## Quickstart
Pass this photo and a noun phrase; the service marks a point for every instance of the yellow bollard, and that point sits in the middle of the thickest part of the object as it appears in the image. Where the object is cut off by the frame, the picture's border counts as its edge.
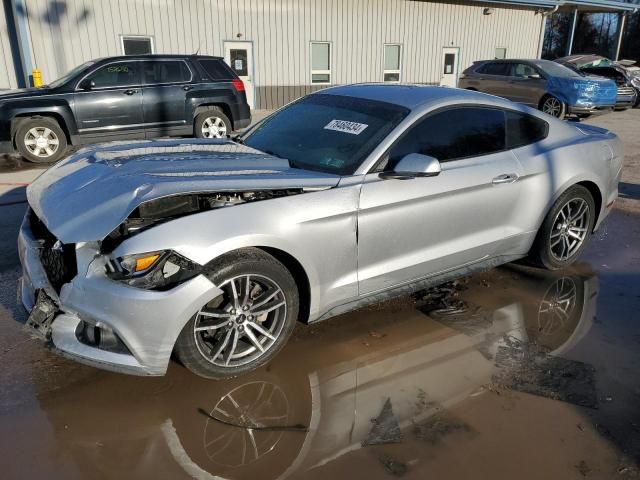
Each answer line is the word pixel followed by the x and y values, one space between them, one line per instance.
pixel 37 78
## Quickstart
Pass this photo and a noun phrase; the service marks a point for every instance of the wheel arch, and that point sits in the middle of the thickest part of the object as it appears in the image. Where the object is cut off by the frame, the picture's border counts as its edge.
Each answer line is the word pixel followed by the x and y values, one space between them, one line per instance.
pixel 205 107
pixel 20 118
pixel 595 192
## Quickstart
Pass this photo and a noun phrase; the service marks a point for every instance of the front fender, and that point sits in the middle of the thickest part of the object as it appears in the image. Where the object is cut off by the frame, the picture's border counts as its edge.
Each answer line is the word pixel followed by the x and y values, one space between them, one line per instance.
pixel 58 108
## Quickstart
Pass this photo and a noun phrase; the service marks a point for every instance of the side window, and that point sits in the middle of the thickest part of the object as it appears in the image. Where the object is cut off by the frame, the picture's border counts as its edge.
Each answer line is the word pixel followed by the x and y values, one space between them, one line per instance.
pixel 454 133
pixel 217 69
pixel 169 71
pixel 523 129
pixel 495 68
pixel 522 70
pixel 121 74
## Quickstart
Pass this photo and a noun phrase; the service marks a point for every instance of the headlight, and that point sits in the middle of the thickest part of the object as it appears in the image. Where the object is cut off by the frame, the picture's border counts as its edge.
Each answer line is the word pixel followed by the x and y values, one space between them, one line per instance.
pixel 152 270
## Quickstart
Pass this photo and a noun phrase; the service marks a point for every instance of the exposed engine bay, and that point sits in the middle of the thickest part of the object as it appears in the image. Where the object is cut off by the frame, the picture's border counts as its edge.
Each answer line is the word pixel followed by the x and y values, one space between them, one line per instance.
pixel 164 209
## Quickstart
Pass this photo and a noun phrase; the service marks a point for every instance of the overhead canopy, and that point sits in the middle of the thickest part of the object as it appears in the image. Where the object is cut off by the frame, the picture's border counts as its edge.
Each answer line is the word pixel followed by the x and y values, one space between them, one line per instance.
pixel 589 5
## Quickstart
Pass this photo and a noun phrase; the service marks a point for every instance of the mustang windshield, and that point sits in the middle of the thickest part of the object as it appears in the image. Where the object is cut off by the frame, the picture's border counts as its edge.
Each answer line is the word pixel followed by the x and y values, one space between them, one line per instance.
pixel 326 133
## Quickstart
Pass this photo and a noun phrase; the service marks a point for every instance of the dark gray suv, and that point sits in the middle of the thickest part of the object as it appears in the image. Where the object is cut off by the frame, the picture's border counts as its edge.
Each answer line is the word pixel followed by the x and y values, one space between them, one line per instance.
pixel 124 98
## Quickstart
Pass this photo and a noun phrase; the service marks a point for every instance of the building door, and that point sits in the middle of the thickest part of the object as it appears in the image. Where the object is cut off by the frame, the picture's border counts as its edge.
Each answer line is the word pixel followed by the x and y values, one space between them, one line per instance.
pixel 450 67
pixel 239 56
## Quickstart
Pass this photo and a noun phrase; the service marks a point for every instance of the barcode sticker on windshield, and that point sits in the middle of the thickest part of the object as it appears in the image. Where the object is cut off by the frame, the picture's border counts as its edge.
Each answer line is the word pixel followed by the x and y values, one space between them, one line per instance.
pixel 344 126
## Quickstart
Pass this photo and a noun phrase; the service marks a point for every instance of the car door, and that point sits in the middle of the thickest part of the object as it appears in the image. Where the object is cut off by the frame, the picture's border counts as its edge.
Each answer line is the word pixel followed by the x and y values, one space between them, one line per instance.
pixel 526 84
pixel 108 101
pixel 493 78
pixel 166 86
pixel 411 229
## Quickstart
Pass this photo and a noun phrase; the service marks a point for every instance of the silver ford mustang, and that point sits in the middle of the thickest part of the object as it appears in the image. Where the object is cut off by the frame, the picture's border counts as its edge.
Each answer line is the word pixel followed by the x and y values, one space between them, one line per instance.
pixel 213 249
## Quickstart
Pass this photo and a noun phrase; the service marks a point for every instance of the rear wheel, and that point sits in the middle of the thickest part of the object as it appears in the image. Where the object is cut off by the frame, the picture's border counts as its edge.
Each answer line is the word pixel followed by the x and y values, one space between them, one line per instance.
pixel 41 140
pixel 565 230
pixel 247 324
pixel 212 124
pixel 553 106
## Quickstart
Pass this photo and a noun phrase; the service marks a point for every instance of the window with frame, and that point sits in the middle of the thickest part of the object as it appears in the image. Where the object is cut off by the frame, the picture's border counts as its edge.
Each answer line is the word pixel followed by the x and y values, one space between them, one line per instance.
pixel 120 74
pixel 137 45
pixel 500 53
pixel 391 71
pixel 495 68
pixel 453 134
pixel 523 129
pixel 320 62
pixel 166 71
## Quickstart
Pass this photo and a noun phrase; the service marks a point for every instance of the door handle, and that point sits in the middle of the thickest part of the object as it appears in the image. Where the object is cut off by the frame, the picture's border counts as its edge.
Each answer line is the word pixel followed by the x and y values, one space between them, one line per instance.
pixel 130 92
pixel 505 178
pixel 186 88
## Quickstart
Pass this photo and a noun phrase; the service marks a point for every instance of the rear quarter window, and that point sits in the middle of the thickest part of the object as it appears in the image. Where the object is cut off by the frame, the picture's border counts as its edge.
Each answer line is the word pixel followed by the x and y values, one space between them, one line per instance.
pixel 494 69
pixel 523 129
pixel 217 69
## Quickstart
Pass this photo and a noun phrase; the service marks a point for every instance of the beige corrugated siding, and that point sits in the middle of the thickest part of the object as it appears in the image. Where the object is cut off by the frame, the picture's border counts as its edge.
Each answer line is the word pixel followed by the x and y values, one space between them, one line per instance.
pixel 281 32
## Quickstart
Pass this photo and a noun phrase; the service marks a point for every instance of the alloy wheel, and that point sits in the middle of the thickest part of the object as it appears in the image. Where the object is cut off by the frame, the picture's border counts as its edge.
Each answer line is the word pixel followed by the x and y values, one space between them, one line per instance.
pixel 214 127
pixel 552 106
pixel 243 323
pixel 41 141
pixel 570 229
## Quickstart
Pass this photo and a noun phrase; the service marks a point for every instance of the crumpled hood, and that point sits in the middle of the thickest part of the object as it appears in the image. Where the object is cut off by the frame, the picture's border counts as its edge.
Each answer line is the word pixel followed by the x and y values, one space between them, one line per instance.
pixel 86 196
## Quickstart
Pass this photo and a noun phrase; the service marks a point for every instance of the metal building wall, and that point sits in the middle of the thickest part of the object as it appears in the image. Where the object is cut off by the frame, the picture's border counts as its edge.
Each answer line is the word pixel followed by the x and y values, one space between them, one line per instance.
pixel 65 33
pixel 7 66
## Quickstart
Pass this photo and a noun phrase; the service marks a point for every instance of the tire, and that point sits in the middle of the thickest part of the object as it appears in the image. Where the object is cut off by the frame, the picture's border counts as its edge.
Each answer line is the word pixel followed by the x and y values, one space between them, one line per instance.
pixel 554 238
pixel 212 124
pixel 225 344
pixel 553 106
pixel 41 140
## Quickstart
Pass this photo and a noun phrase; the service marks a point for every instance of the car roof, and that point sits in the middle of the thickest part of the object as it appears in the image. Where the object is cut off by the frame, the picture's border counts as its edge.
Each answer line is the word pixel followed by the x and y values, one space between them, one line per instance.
pixel 154 57
pixel 413 96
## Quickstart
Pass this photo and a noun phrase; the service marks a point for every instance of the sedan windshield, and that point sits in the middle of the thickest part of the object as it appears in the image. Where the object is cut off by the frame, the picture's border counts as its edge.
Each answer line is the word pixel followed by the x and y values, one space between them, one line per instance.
pixel 69 75
pixel 326 133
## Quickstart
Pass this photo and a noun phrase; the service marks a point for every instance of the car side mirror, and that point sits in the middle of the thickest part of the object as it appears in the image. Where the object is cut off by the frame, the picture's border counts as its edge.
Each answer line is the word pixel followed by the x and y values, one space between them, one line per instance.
pixel 87 84
pixel 414 165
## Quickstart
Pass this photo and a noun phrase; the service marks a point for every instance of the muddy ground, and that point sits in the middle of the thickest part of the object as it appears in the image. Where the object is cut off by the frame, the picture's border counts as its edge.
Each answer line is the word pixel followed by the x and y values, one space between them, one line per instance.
pixel 513 373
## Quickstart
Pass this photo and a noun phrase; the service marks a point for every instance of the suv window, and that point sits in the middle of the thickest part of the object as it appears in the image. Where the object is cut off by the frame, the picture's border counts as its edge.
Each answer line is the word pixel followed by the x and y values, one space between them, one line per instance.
pixel 121 74
pixel 217 69
pixel 523 129
pixel 166 71
pixel 494 68
pixel 522 70
pixel 454 133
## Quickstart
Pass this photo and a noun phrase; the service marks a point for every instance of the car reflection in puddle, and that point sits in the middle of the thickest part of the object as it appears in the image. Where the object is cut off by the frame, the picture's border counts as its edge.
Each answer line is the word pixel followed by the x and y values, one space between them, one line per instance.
pixel 315 402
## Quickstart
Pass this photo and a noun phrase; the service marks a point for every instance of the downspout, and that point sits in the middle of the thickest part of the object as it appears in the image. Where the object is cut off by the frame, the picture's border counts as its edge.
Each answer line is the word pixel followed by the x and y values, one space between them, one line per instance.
pixel 623 22
pixel 573 30
pixel 543 27
pixel 19 14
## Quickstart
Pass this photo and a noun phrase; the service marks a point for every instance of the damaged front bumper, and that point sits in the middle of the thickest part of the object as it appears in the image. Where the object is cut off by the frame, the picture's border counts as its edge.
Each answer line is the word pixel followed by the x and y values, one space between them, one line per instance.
pixel 97 321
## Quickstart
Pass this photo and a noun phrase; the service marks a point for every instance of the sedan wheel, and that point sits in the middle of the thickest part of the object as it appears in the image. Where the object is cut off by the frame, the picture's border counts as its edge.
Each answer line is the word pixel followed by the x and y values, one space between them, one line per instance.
pixel 570 229
pixel 565 230
pixel 247 323
pixel 554 107
pixel 242 325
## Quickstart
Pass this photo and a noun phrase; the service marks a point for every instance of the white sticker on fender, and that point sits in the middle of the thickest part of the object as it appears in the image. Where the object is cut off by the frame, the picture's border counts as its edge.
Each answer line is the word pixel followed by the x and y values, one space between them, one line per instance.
pixel 344 126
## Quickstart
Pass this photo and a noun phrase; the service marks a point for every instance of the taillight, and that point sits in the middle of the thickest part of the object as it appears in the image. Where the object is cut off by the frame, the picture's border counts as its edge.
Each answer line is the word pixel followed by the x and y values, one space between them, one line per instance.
pixel 238 85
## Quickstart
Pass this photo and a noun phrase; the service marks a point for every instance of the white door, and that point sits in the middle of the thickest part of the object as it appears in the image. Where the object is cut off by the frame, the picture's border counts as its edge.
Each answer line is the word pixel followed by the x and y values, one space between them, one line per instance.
pixel 450 67
pixel 239 56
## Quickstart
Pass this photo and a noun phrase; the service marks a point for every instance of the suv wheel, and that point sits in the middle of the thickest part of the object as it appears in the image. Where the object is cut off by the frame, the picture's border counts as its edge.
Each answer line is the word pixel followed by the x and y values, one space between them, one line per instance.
pixel 565 230
pixel 41 140
pixel 248 324
pixel 553 106
pixel 212 124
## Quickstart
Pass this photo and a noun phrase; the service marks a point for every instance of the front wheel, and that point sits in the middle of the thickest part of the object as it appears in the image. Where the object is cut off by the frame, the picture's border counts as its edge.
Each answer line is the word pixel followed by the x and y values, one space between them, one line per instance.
pixel 565 230
pixel 41 140
pixel 244 327
pixel 553 106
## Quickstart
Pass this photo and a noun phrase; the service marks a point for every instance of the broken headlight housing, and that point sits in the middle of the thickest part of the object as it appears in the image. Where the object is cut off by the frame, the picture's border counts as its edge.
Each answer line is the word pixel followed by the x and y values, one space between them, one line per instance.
pixel 152 270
